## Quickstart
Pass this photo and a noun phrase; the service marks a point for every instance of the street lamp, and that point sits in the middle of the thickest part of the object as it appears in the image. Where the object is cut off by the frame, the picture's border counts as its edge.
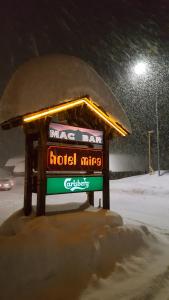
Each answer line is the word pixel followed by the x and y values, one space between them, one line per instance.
pixel 151 171
pixel 140 69
pixel 157 135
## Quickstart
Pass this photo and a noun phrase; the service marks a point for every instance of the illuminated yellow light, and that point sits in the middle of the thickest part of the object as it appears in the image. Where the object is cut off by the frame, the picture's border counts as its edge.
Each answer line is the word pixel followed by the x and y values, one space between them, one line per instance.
pixel 51 111
pixel 72 104
pixel 106 118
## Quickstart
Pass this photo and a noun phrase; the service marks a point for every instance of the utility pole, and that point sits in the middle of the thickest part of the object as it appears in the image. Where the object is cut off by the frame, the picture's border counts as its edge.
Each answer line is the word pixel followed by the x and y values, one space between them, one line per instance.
pixel 157 135
pixel 151 171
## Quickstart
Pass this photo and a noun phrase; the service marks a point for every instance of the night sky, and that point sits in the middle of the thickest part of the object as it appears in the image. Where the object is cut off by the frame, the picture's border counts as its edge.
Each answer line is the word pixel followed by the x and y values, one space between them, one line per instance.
pixel 112 36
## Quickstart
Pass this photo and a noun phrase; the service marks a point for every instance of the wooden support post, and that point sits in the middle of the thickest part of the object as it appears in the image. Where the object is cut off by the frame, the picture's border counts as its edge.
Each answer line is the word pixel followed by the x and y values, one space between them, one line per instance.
pixel 90 195
pixel 90 198
pixel 28 174
pixel 106 187
pixel 42 163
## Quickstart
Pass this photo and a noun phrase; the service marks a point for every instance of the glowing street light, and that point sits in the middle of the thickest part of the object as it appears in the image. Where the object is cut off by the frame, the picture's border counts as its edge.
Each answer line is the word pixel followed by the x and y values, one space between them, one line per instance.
pixel 140 68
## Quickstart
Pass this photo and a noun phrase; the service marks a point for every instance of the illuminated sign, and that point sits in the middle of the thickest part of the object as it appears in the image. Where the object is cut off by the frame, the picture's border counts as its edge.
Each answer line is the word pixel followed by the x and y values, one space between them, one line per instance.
pixel 74 159
pixel 65 106
pixel 71 133
pixel 73 184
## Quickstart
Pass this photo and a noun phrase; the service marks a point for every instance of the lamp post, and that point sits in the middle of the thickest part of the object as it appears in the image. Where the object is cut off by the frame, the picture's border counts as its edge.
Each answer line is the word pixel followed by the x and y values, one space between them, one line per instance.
pixel 151 171
pixel 140 69
pixel 157 135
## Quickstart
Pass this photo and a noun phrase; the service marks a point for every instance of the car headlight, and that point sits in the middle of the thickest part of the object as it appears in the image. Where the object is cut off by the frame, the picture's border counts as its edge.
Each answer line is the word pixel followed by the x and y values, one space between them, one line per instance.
pixel 6 185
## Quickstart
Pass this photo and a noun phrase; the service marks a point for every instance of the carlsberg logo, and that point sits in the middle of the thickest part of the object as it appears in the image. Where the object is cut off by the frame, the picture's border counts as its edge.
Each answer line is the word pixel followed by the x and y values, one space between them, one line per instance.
pixel 76 184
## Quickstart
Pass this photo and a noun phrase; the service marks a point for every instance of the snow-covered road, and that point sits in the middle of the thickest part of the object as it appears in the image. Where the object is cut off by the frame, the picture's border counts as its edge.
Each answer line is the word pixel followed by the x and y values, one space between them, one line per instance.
pixel 142 199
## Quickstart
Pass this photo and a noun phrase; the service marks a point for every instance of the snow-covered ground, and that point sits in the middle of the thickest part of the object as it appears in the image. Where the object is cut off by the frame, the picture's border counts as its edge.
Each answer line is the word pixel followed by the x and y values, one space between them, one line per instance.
pixel 70 257
pixel 143 199
pixel 138 199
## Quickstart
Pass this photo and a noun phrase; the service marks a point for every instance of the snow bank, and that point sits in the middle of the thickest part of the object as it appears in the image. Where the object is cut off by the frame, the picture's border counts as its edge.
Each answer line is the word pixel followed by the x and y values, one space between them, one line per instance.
pixel 12 162
pixel 18 165
pixel 140 277
pixel 142 199
pixel 58 256
pixel 143 184
pixel 95 257
pixel 19 168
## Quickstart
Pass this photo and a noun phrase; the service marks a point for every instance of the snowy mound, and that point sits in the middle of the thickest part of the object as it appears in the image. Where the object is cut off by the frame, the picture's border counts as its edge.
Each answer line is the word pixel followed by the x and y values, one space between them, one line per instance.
pixel 57 256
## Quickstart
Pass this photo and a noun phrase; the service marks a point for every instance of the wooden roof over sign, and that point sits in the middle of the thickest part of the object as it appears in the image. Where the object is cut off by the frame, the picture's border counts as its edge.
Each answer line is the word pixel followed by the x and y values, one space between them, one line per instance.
pixel 52 81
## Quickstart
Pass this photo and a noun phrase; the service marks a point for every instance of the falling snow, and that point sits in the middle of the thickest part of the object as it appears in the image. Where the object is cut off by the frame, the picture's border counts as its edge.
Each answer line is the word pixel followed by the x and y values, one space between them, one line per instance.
pixel 112 36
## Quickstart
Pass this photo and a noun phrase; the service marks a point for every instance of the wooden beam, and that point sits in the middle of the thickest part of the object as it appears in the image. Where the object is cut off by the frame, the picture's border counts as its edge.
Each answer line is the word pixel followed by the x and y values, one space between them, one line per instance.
pixel 90 195
pixel 42 163
pixel 28 174
pixel 90 198
pixel 106 186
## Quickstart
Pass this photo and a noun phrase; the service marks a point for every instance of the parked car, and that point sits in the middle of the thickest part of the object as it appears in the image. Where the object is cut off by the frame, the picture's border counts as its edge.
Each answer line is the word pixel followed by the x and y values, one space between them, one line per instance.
pixel 6 184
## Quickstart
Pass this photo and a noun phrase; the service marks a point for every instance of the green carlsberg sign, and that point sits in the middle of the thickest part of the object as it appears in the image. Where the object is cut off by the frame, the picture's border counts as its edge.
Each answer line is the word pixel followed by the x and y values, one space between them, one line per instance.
pixel 74 184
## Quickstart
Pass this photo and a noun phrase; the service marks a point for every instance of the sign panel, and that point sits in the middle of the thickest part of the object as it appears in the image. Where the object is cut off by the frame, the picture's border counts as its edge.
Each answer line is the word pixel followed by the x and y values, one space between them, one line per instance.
pixel 74 159
pixel 71 133
pixel 74 184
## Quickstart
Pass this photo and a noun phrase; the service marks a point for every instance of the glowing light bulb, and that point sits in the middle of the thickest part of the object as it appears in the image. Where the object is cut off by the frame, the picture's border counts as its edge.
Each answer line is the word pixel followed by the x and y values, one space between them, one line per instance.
pixel 140 68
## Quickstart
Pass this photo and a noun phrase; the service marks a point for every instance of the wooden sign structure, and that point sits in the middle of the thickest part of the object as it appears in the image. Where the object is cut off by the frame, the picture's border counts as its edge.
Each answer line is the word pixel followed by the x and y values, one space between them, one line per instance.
pixel 47 162
pixel 79 98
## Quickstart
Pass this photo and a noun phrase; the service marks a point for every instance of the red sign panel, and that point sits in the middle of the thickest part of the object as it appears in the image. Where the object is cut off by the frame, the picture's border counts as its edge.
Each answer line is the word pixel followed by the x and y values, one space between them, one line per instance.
pixel 74 159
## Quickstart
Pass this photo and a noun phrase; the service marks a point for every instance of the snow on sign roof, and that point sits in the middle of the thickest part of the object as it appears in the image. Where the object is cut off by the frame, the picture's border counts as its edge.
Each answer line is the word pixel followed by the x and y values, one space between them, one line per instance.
pixel 48 81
